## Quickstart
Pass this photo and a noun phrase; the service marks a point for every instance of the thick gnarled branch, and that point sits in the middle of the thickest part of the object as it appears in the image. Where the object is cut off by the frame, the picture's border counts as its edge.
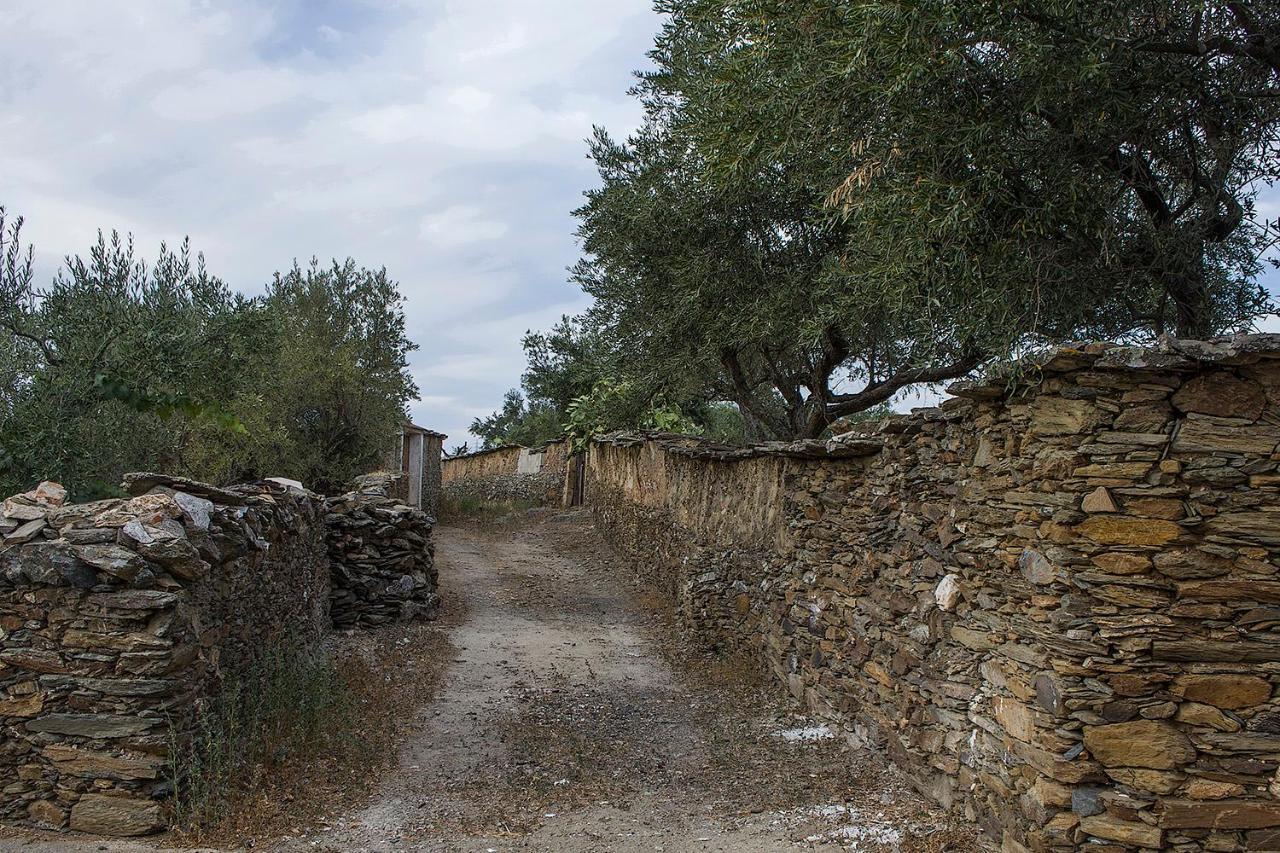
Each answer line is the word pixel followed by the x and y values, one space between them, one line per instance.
pixel 882 391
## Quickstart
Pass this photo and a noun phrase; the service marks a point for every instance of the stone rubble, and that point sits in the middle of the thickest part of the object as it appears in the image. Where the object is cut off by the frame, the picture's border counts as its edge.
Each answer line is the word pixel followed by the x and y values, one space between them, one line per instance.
pixel 381 558
pixel 119 617
pixel 1053 602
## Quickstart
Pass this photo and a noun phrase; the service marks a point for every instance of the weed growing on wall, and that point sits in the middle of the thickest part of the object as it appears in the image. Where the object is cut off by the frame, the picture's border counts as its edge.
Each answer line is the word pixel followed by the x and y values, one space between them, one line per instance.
pixel 292 703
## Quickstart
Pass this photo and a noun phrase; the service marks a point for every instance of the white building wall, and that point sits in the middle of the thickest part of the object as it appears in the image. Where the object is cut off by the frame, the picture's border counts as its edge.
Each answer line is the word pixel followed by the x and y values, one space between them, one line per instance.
pixel 530 462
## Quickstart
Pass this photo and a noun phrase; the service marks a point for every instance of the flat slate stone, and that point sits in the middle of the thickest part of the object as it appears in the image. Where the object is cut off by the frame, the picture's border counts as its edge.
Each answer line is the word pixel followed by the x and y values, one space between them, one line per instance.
pixel 118 816
pixel 1142 743
pixel 140 482
pixel 1223 814
pixel 134 599
pixel 93 764
pixel 90 725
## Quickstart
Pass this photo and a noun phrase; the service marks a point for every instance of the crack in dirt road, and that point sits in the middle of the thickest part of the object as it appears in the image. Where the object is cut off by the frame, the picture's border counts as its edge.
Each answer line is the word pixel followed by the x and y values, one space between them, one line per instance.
pixel 571 718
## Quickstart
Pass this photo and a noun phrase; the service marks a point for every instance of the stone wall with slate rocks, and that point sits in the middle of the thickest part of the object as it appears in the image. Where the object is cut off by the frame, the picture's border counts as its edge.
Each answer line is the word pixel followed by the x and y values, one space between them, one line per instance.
pixel 541 488
pixel 118 616
pixel 1053 601
pixel 381 558
pixel 495 475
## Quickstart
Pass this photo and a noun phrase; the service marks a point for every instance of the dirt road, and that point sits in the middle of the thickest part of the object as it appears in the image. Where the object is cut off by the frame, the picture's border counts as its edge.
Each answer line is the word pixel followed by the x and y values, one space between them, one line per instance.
pixel 570 719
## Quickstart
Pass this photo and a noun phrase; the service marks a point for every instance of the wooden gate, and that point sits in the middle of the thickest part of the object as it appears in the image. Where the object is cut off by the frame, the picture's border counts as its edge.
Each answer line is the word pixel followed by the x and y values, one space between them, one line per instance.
pixel 579 494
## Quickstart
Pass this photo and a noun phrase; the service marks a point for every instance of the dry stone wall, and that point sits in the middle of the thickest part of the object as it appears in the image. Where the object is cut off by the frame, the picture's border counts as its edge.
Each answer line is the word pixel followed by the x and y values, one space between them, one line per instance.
pixel 117 617
pixel 381 558
pixel 554 456
pixel 536 475
pixel 386 483
pixel 481 465
pixel 1053 603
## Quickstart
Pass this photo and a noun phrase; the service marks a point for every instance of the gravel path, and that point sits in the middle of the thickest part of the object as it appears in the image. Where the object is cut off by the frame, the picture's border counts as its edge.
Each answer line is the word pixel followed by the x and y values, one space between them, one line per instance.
pixel 571 719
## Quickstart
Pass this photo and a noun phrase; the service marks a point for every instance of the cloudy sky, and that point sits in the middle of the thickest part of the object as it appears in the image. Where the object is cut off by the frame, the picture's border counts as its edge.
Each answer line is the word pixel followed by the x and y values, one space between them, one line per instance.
pixel 443 139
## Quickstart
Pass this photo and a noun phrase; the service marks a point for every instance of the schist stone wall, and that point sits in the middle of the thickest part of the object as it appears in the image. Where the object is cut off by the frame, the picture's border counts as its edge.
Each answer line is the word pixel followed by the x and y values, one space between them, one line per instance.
pixel 534 474
pixel 381 557
pixel 117 617
pixel 1054 603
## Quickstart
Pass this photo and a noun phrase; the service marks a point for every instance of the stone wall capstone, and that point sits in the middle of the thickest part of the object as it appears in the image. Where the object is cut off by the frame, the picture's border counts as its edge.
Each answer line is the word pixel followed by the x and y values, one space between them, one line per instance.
pixel 389 483
pixel 118 616
pixel 1053 602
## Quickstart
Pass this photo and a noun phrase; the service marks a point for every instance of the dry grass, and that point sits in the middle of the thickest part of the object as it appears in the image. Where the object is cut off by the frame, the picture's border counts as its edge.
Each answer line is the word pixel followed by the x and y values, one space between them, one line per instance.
pixel 739 708
pixel 468 510
pixel 381 678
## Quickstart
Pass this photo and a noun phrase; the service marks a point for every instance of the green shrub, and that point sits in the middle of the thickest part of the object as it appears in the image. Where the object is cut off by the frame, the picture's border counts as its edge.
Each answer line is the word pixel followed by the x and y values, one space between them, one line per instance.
pixel 471 508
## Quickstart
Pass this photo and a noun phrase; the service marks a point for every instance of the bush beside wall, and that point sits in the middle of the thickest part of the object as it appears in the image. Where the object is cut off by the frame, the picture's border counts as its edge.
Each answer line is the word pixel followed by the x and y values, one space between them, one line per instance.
pixel 1051 603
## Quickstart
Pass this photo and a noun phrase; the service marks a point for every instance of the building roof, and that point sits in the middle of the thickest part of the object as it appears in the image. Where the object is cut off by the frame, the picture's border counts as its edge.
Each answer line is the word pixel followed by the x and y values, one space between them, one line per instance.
pixel 409 426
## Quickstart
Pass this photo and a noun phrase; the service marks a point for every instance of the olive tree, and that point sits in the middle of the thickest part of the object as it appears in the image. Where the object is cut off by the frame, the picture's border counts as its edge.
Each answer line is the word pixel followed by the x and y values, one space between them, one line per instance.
pixel 831 200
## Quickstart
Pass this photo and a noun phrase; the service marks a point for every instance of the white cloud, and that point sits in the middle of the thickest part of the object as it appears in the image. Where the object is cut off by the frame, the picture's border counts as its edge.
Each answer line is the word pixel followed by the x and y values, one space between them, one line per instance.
pixel 217 95
pixel 459 225
pixel 513 38
pixel 469 99
pixel 443 140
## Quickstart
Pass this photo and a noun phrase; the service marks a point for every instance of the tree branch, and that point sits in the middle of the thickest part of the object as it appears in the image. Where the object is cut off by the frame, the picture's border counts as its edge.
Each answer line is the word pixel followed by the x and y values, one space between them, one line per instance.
pixel 46 346
pixel 879 392
pixel 1137 174
pixel 744 393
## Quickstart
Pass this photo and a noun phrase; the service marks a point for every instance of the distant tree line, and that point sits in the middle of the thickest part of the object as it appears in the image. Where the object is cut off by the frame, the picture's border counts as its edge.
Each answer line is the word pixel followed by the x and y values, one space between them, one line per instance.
pixel 830 201
pixel 119 365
